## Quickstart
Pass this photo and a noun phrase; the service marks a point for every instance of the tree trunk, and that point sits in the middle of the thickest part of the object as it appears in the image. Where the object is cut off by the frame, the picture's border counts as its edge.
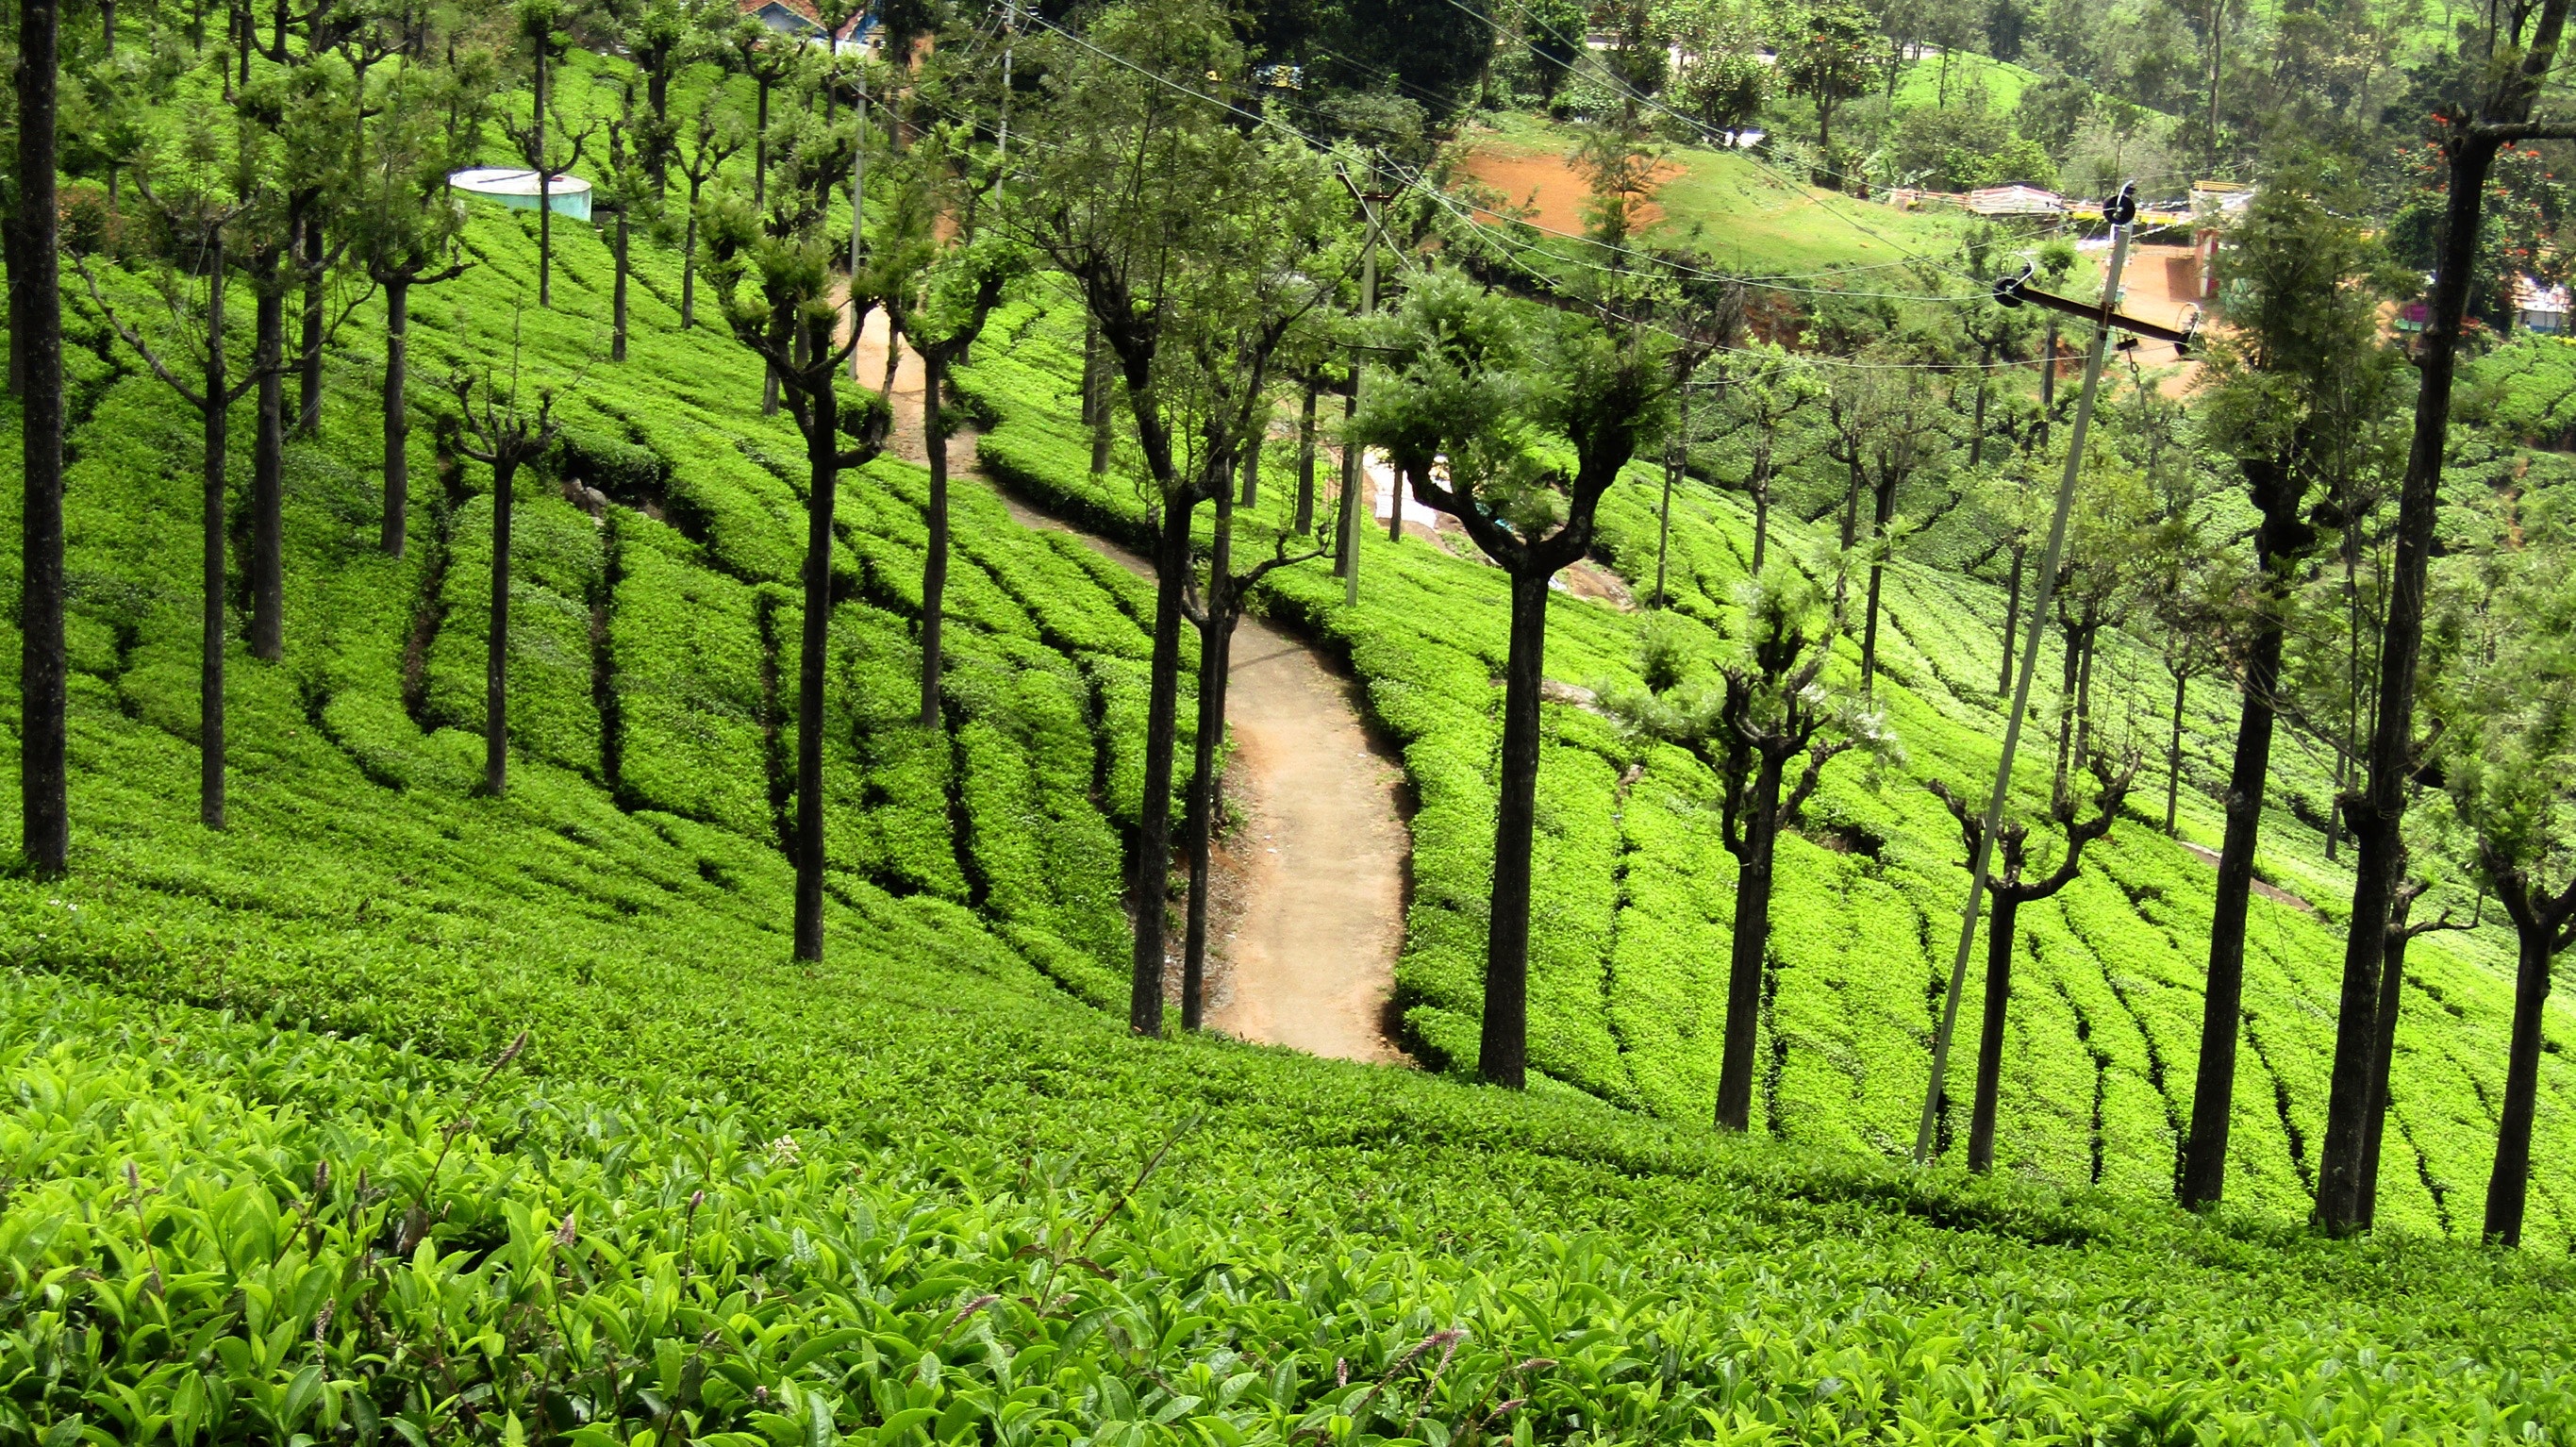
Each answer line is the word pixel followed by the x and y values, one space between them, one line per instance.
pixel 2392 989
pixel 2511 1181
pixel 2377 815
pixel 1761 524
pixel 1305 522
pixel 2173 757
pixel 1990 1040
pixel 934 560
pixel 397 414
pixel 1154 808
pixel 2204 1166
pixel 778 331
pixel 308 386
pixel 689 269
pixel 823 468
pixel 1093 369
pixel 1664 527
pixel 496 646
pixel 1751 941
pixel 1216 636
pixel 267 484
pixel 617 306
pixel 2012 614
pixel 210 657
pixel 1977 429
pixel 760 150
pixel 1882 506
pixel 1104 415
pixel 1503 1054
pixel 36 333
pixel 1252 463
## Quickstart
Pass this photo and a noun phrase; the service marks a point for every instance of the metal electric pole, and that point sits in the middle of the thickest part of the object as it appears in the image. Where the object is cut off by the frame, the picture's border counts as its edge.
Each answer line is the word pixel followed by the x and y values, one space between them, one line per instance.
pixel 2120 212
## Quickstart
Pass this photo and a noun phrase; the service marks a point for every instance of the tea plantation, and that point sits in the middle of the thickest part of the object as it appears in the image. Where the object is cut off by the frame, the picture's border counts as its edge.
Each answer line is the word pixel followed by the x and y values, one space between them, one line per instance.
pixel 398 1111
pixel 1635 898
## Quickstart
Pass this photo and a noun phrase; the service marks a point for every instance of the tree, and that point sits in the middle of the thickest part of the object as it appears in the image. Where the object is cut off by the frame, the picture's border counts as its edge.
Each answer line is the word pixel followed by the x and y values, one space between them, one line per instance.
pixel 2294 385
pixel 2401 932
pixel 405 234
pixel 1827 52
pixel 2469 134
pixel 1765 388
pixel 1477 385
pixel 2504 690
pixel 772 270
pixel 768 60
pixel 624 186
pixel 1722 79
pixel 196 204
pixel 1767 710
pixel 502 435
pixel 36 334
pixel 541 36
pixel 2010 889
pixel 715 134
pixel 1195 289
pixel 939 297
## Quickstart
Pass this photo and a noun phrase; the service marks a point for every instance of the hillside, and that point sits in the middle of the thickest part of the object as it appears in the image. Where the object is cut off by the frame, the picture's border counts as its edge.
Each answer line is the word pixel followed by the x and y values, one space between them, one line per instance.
pixel 287 1021
pixel 1628 973
pixel 399 1109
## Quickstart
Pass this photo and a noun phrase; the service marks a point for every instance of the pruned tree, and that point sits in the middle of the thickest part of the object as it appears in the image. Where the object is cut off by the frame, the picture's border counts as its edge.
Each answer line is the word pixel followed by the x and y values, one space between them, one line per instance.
pixel 1214 607
pixel 1769 713
pixel 197 193
pixel 2011 883
pixel 938 295
pixel 773 270
pixel 405 232
pixel 543 41
pixel 715 134
pixel 499 431
pixel 1766 387
pixel 2501 687
pixel 1474 388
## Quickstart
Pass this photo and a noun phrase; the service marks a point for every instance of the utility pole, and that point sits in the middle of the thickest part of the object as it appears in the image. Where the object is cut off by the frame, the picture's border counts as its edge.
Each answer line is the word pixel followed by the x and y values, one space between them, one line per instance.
pixel 858 207
pixel 1002 141
pixel 2121 212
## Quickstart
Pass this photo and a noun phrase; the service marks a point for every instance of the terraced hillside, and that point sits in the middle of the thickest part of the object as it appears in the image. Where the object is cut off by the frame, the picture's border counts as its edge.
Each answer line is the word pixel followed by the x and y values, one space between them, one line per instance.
pixel 399 1111
pixel 1634 897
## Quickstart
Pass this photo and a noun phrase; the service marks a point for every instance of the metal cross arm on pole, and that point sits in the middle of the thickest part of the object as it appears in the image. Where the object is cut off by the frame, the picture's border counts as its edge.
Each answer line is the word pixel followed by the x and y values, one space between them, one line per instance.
pixel 2017 290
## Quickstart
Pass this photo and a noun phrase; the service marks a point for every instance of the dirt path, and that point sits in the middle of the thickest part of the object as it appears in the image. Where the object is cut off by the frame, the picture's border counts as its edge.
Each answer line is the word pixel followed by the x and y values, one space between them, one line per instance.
pixel 1309 895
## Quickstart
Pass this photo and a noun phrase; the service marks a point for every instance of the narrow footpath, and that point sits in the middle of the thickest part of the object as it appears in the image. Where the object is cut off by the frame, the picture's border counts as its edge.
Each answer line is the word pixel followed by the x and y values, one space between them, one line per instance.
pixel 1308 898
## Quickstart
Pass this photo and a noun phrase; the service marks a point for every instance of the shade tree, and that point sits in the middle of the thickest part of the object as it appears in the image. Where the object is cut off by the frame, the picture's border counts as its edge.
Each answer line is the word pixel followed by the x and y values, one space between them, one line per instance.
pixel 773 266
pixel 1766 723
pixel 1516 425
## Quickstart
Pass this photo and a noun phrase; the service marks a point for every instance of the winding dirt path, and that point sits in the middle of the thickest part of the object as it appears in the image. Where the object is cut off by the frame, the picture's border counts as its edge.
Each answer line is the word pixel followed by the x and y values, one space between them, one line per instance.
pixel 1308 899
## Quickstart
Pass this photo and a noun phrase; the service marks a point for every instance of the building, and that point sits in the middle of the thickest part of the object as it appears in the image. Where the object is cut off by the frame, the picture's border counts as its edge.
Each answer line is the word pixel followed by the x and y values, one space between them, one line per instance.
pixel 2539 306
pixel 2018 199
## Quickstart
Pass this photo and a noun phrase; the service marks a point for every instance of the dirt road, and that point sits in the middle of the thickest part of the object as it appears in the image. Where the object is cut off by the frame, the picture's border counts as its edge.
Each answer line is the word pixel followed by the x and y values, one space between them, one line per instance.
pixel 1309 891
